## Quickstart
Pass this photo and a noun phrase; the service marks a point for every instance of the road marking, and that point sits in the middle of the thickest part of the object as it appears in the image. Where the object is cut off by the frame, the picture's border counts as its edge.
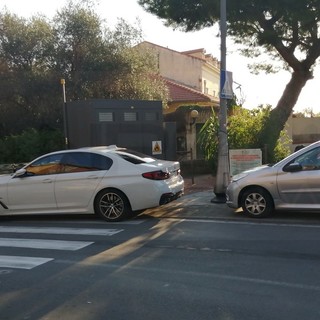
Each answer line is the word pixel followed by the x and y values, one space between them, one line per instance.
pixel 24 262
pixel 43 244
pixel 132 222
pixel 261 223
pixel 20 262
pixel 71 231
pixel 102 222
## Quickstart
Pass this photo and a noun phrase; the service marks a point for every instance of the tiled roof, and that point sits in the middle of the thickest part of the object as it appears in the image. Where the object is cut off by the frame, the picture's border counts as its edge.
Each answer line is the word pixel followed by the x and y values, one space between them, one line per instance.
pixel 181 93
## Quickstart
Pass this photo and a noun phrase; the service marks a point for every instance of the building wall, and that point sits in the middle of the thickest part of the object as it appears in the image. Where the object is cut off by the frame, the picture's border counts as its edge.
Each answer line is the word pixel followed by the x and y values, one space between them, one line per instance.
pixel 191 68
pixel 303 131
pixel 134 124
pixel 212 80
pixel 176 66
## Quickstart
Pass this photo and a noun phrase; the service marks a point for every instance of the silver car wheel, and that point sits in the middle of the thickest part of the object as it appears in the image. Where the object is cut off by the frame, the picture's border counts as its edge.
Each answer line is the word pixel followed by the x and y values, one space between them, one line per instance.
pixel 257 202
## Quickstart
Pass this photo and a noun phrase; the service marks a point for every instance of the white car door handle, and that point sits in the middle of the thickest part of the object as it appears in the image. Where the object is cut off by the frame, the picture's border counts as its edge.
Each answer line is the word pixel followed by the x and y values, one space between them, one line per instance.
pixel 92 177
pixel 47 181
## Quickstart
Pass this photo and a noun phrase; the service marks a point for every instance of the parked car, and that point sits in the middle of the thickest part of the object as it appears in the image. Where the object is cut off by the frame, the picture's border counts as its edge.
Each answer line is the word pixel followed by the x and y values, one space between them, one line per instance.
pixel 110 181
pixel 291 184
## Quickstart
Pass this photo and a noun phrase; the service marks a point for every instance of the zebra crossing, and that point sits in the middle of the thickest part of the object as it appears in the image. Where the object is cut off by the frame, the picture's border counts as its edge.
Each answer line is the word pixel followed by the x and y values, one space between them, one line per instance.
pixel 27 262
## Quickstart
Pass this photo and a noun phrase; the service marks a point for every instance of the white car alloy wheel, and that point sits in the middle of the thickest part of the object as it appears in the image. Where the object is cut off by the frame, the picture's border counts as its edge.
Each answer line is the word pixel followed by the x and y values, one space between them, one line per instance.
pixel 112 205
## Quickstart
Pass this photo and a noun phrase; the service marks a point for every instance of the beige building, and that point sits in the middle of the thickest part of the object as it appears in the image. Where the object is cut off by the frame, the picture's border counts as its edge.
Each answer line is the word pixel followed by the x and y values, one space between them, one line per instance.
pixel 303 131
pixel 193 80
pixel 192 70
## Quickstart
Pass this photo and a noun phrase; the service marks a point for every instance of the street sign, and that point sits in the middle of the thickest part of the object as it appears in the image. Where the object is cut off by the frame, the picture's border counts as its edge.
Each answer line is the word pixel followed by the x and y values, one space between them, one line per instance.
pixel 226 83
pixel 244 159
pixel 156 147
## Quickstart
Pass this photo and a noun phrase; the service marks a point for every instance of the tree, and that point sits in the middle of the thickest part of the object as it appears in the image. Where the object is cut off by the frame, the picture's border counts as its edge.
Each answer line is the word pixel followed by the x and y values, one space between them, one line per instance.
pixel 136 72
pixel 287 30
pixel 26 80
pixel 77 45
pixel 99 62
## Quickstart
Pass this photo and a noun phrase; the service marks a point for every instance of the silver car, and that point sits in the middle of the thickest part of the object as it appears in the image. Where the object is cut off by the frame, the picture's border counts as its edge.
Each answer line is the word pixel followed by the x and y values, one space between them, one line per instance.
pixel 291 184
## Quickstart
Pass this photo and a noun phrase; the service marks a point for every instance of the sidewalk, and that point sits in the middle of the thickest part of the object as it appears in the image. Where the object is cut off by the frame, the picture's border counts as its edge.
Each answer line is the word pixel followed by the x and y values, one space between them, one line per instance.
pixel 196 202
pixel 198 183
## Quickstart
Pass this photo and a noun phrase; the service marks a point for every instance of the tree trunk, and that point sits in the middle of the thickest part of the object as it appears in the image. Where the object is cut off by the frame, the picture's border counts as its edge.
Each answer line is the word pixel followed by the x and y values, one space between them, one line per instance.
pixel 278 116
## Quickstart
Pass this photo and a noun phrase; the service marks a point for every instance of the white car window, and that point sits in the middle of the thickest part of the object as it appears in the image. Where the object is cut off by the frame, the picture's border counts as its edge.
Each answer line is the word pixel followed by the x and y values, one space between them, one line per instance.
pixel 135 157
pixel 84 161
pixel 45 165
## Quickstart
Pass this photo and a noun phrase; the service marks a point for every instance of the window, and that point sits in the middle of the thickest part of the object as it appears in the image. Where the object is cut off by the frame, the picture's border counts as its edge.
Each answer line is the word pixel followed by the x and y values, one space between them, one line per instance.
pixel 84 161
pixel 130 116
pixel 309 160
pixel 135 157
pixel 151 116
pixel 205 88
pixel 106 117
pixel 46 165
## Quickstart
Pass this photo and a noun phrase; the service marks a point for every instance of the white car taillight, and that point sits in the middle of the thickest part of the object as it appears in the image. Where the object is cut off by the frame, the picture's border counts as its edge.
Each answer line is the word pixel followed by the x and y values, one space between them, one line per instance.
pixel 156 175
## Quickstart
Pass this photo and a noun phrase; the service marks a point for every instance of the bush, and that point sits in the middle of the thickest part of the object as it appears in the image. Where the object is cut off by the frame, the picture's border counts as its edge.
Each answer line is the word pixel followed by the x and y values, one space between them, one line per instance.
pixel 243 132
pixel 30 144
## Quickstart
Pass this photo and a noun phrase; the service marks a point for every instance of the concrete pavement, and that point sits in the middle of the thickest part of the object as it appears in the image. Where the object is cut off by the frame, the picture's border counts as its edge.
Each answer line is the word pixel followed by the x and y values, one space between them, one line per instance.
pixel 196 205
pixel 196 202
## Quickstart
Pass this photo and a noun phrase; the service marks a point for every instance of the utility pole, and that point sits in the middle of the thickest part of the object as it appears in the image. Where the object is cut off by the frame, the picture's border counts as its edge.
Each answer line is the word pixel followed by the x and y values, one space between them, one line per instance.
pixel 223 171
pixel 64 113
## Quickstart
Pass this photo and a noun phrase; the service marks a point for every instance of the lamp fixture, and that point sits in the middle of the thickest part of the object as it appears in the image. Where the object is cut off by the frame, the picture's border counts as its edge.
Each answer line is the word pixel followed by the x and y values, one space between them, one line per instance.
pixel 194 115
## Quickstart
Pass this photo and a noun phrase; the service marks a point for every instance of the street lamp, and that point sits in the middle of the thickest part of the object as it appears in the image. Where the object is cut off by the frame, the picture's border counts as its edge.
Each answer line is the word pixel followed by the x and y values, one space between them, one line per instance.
pixel 194 115
pixel 64 113
pixel 223 171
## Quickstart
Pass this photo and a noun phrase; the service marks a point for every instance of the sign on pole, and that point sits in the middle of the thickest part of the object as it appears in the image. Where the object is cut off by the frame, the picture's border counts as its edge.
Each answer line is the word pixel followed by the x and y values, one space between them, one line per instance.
pixel 226 82
pixel 243 159
pixel 157 147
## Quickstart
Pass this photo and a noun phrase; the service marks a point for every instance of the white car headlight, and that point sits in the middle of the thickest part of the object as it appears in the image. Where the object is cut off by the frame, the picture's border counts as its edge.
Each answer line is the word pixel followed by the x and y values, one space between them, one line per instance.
pixel 239 176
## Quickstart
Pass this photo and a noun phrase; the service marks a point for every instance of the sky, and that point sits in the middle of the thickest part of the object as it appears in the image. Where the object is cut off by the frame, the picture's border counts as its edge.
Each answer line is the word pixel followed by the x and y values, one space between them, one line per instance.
pixel 255 89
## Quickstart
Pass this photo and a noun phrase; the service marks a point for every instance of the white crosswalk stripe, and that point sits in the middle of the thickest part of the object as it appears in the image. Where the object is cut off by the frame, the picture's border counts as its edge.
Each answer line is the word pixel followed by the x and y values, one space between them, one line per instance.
pixel 26 262
pixel 71 231
pixel 19 262
pixel 43 244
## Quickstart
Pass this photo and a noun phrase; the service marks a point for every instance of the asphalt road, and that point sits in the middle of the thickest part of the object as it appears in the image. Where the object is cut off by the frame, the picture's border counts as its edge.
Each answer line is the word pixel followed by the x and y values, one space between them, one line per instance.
pixel 155 267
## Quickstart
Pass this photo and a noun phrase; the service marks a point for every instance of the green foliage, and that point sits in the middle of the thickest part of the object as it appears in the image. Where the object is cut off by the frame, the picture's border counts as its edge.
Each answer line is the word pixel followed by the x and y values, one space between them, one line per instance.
pixel 29 145
pixel 282 148
pixel 243 131
pixel 103 63
pixel 76 45
pixel 244 126
pixel 28 95
pixel 208 140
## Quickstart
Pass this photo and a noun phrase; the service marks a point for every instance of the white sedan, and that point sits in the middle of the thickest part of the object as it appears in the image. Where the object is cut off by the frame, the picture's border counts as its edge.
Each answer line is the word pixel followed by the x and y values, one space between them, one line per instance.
pixel 110 181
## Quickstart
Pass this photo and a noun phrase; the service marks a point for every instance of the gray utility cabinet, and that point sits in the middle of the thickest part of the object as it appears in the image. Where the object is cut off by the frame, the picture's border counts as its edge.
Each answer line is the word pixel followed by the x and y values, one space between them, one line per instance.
pixel 134 124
